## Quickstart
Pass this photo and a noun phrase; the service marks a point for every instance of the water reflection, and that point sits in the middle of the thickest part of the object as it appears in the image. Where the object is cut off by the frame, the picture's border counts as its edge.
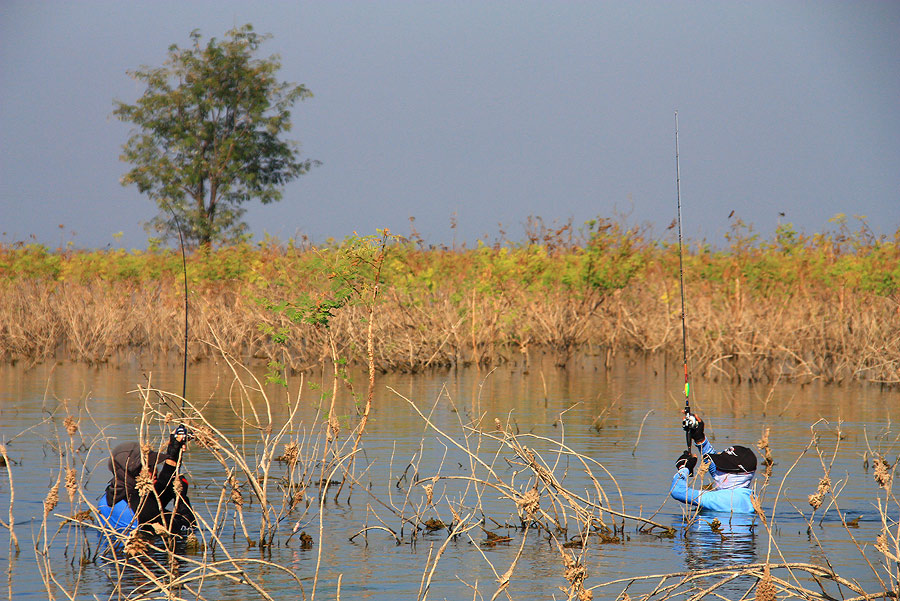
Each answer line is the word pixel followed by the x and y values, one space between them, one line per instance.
pixel 711 540
pixel 561 405
pixel 715 540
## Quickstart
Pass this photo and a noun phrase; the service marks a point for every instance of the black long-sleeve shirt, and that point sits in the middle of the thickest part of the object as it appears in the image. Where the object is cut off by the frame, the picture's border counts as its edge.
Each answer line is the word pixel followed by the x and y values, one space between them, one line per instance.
pixel 126 466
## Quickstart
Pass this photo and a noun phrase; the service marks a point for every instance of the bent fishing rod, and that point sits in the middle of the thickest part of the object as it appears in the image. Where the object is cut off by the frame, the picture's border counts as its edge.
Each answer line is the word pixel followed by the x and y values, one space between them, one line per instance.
pixel 689 420
pixel 181 429
pixel 184 273
pixel 163 398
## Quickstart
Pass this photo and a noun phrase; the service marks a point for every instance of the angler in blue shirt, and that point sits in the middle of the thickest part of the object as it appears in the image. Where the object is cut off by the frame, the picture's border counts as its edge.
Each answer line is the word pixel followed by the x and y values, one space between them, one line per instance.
pixel 732 471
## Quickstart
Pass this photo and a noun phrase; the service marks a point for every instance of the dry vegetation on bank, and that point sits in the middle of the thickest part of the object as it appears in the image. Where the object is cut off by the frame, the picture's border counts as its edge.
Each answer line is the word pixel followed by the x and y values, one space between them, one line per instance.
pixel 795 307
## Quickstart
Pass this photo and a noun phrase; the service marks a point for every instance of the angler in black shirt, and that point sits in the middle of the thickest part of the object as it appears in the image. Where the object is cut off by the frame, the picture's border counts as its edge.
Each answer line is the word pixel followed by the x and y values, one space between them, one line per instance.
pixel 136 498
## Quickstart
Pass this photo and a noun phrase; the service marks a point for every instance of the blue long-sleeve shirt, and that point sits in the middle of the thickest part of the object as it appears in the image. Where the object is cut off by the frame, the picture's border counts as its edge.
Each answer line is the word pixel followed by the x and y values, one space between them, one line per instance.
pixel 731 500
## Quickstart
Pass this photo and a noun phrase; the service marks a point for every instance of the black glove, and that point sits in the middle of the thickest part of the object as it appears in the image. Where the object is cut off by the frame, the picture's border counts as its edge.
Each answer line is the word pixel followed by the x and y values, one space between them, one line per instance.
pixel 697 434
pixel 176 442
pixel 686 460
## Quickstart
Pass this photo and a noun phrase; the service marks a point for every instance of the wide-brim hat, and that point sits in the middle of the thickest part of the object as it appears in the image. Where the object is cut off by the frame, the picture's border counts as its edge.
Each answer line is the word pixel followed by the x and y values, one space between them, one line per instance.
pixel 735 460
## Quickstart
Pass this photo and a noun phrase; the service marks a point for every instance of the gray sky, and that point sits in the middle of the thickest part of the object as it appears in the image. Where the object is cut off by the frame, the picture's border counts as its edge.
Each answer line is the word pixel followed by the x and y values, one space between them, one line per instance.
pixel 492 111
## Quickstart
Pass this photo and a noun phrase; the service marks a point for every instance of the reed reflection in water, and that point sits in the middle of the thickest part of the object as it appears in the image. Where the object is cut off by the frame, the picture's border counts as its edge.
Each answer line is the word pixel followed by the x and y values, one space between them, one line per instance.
pixel 626 419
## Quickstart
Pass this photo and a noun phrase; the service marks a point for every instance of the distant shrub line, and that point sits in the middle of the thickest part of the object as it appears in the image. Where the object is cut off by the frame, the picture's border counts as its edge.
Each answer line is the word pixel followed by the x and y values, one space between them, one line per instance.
pixel 796 306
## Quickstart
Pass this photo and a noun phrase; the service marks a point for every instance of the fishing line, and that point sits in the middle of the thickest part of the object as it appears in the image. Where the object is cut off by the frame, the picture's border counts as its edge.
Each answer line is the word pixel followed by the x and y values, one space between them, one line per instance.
pixel 689 420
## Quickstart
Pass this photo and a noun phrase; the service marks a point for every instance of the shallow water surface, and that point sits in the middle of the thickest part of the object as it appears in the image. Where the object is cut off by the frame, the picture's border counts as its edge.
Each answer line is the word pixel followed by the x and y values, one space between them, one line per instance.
pixel 625 419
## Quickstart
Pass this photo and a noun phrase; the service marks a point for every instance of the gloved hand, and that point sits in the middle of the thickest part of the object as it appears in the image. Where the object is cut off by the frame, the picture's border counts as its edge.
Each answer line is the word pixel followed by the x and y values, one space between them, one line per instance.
pixel 696 430
pixel 176 442
pixel 183 433
pixel 686 460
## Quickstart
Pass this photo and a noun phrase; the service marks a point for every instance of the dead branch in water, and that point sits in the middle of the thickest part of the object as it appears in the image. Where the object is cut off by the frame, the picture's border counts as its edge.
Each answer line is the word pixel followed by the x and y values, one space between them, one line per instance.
pixel 514 484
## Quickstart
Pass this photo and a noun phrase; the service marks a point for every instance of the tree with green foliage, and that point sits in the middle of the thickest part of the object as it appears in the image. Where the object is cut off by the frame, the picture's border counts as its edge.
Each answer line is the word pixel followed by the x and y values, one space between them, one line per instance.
pixel 208 136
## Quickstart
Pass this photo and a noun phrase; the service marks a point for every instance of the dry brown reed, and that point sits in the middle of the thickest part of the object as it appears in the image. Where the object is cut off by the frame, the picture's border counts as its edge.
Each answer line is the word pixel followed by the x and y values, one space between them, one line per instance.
pixel 273 466
pixel 51 499
pixel 883 472
pixel 575 574
pixel 136 553
pixel 763 445
pixel 800 581
pixel 810 334
pixel 815 499
pixel 541 502
pixel 765 589
pixel 71 425
pixel 72 484
pixel 10 525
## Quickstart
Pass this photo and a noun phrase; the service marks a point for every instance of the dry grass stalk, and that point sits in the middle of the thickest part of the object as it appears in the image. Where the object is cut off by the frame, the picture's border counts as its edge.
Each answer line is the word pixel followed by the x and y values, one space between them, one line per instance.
pixel 686 581
pixel 51 499
pixel 702 469
pixel 291 454
pixel 575 574
pixel 883 472
pixel 765 588
pixel 815 499
pixel 13 539
pixel 144 482
pixel 530 503
pixel 237 497
pixel 757 506
pixel 334 427
pixel 178 487
pixel 72 484
pixel 252 406
pixel 71 425
pixel 297 498
pixel 562 505
pixel 206 438
pixel 763 445
pixel 135 544
pixel 882 545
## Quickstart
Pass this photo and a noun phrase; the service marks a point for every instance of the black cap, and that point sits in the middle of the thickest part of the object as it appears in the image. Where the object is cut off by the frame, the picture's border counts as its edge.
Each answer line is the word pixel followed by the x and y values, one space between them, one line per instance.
pixel 735 460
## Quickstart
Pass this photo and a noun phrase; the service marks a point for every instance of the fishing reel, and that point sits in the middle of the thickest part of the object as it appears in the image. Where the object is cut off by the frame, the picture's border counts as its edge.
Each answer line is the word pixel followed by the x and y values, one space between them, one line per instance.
pixel 689 422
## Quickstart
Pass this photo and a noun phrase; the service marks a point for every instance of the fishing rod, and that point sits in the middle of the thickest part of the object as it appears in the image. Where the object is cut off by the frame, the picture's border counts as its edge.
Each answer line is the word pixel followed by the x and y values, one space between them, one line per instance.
pixel 184 273
pixel 181 429
pixel 689 420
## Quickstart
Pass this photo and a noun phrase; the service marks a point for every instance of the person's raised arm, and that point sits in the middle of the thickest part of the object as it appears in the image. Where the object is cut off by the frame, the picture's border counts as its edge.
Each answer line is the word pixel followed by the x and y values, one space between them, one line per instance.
pixel 166 475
